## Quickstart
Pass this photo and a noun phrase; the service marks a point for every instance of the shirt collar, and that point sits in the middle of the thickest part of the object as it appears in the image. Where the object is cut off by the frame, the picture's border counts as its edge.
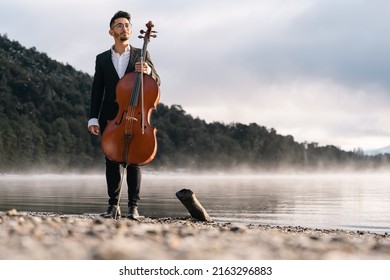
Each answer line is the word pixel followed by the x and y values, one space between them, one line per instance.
pixel 127 50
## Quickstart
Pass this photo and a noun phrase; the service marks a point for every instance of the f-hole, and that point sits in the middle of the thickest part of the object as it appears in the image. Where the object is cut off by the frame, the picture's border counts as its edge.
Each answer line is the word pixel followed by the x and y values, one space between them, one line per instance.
pixel 120 121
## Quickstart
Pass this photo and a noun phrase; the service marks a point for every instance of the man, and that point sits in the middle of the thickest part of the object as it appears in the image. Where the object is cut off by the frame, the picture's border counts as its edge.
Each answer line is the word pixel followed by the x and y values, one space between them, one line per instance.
pixel 110 66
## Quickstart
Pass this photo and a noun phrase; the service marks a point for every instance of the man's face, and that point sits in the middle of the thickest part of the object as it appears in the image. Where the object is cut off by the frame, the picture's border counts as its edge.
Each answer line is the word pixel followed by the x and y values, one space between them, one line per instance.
pixel 121 29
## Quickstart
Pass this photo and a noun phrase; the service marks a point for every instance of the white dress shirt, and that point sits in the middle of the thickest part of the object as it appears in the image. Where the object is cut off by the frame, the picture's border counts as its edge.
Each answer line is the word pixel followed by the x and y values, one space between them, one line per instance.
pixel 120 61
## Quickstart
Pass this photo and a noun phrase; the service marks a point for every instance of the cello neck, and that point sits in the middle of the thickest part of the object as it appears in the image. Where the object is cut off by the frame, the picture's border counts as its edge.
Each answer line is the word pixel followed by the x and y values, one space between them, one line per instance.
pixel 146 36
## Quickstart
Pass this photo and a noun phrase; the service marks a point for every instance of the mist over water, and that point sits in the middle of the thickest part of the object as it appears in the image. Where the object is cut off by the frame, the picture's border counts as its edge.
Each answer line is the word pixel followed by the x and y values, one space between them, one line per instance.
pixel 328 201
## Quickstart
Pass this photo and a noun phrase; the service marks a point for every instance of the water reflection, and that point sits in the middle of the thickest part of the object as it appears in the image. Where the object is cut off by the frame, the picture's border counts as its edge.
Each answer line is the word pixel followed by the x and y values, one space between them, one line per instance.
pixel 354 202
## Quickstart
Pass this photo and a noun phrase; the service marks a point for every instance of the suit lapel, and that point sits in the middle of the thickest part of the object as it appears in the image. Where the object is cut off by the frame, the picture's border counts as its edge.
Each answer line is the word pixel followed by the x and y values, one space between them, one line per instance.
pixel 133 59
pixel 109 65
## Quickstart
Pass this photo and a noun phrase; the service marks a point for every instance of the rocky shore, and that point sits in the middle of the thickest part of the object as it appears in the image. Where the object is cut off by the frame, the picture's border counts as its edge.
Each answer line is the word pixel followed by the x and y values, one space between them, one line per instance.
pixel 30 236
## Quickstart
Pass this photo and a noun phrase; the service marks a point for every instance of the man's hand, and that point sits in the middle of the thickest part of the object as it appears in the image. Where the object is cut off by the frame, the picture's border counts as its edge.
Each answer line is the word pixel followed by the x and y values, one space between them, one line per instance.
pixel 94 130
pixel 145 67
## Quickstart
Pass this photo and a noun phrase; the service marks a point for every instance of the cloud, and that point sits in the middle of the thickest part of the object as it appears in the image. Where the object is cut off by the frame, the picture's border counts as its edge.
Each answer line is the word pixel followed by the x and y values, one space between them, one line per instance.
pixel 342 40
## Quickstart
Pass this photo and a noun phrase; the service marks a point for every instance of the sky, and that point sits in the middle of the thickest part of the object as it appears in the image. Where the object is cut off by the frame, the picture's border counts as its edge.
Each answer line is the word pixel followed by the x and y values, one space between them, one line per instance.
pixel 314 69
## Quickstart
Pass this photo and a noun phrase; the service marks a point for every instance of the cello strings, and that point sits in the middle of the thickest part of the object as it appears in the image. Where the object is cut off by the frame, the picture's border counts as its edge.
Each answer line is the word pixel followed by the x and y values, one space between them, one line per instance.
pixel 142 94
pixel 128 130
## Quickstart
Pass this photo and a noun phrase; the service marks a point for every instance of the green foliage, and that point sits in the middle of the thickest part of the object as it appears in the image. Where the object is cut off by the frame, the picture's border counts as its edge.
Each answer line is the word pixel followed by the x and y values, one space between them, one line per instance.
pixel 44 112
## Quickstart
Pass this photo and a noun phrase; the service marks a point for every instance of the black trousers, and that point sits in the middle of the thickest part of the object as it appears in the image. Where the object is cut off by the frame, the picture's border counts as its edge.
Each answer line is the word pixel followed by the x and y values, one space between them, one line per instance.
pixel 113 177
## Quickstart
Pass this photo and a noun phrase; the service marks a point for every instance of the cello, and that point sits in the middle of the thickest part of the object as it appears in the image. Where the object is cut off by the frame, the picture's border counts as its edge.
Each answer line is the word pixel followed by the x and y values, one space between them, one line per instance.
pixel 129 138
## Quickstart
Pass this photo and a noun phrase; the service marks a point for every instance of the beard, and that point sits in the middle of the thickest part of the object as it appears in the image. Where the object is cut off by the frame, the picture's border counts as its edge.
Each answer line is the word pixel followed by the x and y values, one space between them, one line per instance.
pixel 123 36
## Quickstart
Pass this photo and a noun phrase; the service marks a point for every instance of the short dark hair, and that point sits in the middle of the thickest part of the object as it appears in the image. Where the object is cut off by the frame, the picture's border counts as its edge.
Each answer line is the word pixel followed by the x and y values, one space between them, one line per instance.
pixel 120 14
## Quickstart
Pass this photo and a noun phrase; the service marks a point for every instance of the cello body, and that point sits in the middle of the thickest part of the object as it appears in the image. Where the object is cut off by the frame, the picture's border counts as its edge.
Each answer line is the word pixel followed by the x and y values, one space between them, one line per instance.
pixel 141 147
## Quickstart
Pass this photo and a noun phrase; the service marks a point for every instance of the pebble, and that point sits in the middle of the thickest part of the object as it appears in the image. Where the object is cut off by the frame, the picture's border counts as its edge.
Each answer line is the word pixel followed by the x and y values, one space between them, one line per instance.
pixel 30 235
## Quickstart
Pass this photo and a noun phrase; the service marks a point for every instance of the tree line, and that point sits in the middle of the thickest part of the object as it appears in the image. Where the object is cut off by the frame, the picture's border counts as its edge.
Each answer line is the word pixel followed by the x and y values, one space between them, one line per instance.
pixel 44 109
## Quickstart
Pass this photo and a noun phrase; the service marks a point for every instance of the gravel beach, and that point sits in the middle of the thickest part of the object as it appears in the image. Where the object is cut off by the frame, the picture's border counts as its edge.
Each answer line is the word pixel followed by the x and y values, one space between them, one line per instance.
pixel 45 236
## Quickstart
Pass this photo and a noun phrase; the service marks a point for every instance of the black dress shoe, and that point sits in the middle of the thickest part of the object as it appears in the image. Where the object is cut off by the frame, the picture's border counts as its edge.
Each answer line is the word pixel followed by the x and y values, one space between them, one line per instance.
pixel 133 213
pixel 113 212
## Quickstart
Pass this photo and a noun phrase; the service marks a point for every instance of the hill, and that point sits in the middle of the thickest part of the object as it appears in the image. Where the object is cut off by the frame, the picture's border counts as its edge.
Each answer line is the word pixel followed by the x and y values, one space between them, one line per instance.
pixel 44 108
pixel 380 151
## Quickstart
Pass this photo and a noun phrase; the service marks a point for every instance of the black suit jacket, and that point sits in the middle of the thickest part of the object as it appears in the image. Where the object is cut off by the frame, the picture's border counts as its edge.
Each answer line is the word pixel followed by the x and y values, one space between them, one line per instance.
pixel 103 106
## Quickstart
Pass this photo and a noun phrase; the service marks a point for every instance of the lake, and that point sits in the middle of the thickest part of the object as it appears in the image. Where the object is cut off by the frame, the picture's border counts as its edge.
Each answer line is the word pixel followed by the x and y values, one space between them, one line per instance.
pixel 325 201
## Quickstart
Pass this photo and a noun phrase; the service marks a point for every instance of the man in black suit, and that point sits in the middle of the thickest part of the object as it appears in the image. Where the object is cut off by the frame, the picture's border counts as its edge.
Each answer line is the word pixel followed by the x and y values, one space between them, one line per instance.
pixel 112 65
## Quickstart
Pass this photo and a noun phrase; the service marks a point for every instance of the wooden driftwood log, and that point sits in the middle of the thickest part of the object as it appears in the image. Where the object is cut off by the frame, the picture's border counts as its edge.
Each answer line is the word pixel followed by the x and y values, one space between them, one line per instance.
pixel 187 197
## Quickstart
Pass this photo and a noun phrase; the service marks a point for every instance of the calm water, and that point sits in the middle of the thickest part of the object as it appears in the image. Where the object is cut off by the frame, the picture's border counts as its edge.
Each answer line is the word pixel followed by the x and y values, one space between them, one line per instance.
pixel 352 202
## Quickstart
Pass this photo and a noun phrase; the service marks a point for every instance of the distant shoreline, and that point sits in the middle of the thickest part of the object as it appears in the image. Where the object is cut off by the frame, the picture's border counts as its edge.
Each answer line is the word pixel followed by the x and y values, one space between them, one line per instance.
pixel 32 235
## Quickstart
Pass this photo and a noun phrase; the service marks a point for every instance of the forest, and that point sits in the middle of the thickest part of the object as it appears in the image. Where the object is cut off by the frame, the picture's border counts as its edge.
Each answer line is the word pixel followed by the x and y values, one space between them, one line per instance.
pixel 44 108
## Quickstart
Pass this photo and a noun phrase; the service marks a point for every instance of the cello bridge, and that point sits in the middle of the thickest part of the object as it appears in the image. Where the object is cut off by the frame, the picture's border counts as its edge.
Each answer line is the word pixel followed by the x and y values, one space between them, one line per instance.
pixel 130 118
